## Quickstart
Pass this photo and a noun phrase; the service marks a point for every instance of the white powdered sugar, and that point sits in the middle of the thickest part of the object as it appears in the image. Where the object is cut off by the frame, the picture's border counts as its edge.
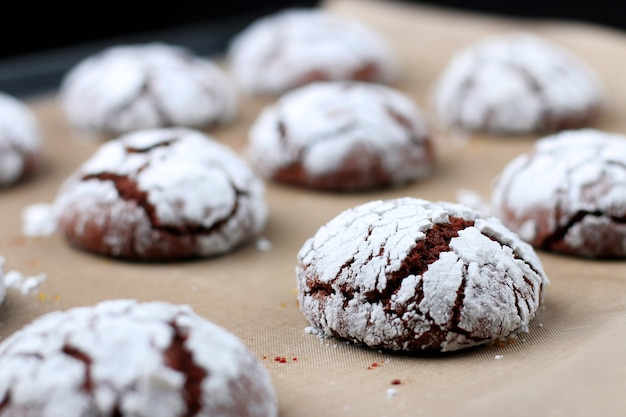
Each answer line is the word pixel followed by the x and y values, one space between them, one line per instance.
pixel 121 357
pixel 517 83
pixel 24 283
pixel 17 280
pixel 141 86
pixel 163 183
pixel 324 125
pixel 38 219
pixel 263 244
pixel 20 140
pixel 568 193
pixel 364 277
pixel 295 46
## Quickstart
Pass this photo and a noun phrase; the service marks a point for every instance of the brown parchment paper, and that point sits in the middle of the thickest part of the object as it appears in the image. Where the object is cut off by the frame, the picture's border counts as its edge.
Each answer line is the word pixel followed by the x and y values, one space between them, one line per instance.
pixel 572 363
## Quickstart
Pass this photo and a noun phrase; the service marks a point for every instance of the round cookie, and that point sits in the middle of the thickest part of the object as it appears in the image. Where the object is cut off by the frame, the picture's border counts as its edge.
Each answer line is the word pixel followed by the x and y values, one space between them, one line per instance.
pixel 412 275
pixel 342 136
pixel 161 195
pixel 124 358
pixel 516 83
pixel 294 47
pixel 20 141
pixel 142 86
pixel 567 194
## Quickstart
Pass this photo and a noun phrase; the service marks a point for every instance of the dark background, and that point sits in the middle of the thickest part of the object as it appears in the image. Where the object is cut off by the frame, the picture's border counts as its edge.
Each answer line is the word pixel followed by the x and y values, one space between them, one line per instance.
pixel 40 42
pixel 610 13
pixel 52 25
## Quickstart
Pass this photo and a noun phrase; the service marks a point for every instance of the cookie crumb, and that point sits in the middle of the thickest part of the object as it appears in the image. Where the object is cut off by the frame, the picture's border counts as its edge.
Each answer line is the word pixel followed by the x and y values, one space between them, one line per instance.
pixel 38 219
pixel 372 366
pixel 25 284
pixel 313 330
pixel 263 245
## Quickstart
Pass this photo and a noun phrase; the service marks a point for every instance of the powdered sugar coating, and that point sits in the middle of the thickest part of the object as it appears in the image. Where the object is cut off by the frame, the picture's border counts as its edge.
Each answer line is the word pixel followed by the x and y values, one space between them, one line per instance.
pixel 142 86
pixel 162 194
pixel 568 194
pixel 125 358
pixel 20 140
pixel 410 274
pixel 342 136
pixel 517 83
pixel 295 46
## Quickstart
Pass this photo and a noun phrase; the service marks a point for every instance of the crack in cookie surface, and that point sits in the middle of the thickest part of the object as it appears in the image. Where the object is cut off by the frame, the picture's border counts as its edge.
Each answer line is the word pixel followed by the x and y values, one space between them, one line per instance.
pixel 85 359
pixel 426 251
pixel 179 358
pixel 162 143
pixel 128 189
pixel 5 400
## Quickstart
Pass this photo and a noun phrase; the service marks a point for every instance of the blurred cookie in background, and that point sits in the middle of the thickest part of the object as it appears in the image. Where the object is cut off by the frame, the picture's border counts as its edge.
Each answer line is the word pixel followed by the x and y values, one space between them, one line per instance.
pixel 20 141
pixel 144 86
pixel 516 83
pixel 568 194
pixel 342 136
pixel 294 47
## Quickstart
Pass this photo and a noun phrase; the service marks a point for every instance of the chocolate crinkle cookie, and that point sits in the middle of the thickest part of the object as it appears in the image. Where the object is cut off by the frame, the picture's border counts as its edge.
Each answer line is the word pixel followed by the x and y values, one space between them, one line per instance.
pixel 517 83
pixel 342 136
pixel 124 358
pixel 20 141
pixel 297 46
pixel 160 195
pixel 568 194
pixel 143 86
pixel 412 275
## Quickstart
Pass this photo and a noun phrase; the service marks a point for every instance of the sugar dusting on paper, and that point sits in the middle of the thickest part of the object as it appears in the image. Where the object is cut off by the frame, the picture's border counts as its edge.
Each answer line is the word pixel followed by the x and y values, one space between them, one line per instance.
pixel 18 280
pixel 38 219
